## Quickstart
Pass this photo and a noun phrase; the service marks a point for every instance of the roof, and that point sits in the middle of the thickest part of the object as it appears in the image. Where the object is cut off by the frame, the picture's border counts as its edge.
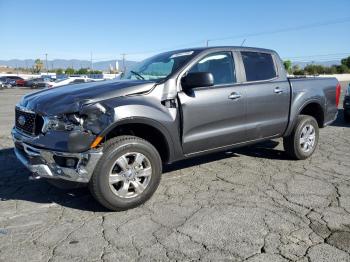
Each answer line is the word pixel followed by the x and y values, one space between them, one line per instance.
pixel 241 48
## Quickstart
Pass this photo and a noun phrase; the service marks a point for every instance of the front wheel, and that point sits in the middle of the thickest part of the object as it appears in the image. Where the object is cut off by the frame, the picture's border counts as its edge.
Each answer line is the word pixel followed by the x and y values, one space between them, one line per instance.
pixel 127 174
pixel 303 140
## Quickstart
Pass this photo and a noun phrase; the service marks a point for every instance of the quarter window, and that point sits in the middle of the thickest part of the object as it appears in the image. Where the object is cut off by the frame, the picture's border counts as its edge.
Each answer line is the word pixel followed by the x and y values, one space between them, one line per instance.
pixel 258 66
pixel 220 65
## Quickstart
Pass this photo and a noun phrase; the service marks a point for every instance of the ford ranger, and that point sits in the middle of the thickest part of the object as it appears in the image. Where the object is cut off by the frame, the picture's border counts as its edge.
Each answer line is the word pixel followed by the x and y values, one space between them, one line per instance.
pixel 116 135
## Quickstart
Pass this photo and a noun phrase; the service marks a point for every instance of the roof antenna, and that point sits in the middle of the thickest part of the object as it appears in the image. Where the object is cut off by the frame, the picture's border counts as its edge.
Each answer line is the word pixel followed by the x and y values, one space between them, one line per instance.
pixel 243 41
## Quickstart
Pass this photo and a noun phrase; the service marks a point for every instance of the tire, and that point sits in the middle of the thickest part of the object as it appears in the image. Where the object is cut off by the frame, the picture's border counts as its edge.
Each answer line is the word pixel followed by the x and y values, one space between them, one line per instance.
pixel 293 143
pixel 347 116
pixel 126 148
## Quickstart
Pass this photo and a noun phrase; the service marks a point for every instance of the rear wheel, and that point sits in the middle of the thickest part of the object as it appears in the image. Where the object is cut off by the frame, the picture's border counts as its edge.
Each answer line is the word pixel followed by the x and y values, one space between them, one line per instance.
pixel 127 174
pixel 303 140
pixel 347 116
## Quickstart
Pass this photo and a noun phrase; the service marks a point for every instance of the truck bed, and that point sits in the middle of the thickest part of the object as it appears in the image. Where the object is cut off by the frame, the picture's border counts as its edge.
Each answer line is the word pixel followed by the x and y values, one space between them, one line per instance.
pixel 320 90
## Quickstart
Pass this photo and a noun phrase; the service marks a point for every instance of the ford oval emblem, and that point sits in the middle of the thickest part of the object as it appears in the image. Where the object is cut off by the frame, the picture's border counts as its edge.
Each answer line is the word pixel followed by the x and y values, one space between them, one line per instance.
pixel 21 120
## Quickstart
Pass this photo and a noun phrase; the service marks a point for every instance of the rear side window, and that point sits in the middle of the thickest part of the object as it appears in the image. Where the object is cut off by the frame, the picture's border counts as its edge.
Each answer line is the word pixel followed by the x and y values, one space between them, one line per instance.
pixel 258 66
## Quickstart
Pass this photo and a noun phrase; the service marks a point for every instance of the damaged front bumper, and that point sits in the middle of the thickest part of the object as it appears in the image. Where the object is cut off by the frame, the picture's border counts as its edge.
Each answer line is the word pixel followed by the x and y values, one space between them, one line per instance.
pixel 76 167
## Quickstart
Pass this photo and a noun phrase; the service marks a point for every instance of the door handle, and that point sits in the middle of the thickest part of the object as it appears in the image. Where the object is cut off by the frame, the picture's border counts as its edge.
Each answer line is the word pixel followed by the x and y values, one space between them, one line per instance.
pixel 234 96
pixel 278 90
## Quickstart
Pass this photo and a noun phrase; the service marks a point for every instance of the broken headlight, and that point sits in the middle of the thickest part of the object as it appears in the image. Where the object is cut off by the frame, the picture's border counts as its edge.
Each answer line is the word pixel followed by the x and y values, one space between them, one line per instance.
pixel 91 118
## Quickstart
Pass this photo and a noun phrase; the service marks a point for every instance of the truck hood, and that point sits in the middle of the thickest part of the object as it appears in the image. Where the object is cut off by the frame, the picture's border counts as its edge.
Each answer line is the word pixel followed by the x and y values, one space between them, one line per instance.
pixel 69 98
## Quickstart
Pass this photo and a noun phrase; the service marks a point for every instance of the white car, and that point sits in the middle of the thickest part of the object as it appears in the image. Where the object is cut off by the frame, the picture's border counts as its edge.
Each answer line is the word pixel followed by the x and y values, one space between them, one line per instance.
pixel 70 80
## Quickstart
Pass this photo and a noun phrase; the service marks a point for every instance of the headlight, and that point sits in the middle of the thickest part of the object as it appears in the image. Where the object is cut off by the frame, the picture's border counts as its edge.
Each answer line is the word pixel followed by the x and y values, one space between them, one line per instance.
pixel 59 124
pixel 96 117
pixel 92 118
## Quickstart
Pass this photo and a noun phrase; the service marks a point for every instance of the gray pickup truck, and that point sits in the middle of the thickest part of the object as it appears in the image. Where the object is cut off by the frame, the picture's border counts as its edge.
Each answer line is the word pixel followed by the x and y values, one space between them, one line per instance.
pixel 115 135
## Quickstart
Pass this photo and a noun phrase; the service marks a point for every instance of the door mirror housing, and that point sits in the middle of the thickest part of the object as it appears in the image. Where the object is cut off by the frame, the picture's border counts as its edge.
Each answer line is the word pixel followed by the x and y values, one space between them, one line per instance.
pixel 199 79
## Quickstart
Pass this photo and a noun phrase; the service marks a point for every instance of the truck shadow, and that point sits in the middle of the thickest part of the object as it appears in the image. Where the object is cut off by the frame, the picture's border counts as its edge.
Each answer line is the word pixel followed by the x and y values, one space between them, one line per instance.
pixel 265 149
pixel 340 121
pixel 15 185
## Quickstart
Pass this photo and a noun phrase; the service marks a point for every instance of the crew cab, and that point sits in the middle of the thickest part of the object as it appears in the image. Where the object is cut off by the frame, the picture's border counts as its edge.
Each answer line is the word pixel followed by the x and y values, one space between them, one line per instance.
pixel 115 136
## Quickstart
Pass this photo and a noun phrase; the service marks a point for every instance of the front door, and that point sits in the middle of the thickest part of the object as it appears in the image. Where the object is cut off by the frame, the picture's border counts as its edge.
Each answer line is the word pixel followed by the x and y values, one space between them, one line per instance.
pixel 214 116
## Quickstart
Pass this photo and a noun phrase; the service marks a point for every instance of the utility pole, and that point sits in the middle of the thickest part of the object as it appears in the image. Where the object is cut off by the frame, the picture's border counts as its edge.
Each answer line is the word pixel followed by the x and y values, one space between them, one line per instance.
pixel 207 42
pixel 91 66
pixel 243 42
pixel 47 65
pixel 124 68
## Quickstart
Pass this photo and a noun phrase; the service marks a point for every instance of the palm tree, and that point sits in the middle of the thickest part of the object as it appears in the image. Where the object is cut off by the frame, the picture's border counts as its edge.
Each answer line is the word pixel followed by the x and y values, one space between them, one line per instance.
pixel 38 66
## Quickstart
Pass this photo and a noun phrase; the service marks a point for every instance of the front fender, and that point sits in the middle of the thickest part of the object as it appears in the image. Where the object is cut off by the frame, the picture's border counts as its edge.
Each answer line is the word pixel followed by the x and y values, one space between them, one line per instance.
pixel 148 111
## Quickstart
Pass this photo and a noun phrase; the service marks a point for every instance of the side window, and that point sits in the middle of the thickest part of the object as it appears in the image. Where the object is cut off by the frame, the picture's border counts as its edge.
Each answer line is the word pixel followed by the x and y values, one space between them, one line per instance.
pixel 220 65
pixel 258 66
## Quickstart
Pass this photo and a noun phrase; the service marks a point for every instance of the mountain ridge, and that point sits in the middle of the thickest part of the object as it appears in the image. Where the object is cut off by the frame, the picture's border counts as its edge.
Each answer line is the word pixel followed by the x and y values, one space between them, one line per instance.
pixel 65 63
pixel 105 65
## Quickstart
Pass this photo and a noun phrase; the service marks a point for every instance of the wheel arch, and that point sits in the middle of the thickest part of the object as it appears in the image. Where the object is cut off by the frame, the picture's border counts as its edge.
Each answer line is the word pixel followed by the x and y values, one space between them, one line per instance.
pixel 314 109
pixel 148 129
pixel 311 107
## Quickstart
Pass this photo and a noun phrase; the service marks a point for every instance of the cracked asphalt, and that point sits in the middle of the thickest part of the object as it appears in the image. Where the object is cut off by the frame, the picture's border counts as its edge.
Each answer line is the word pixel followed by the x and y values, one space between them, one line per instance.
pixel 251 204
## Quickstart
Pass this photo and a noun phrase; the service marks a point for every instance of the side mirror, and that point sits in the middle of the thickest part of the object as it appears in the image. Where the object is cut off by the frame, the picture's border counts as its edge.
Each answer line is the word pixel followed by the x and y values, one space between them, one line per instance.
pixel 200 79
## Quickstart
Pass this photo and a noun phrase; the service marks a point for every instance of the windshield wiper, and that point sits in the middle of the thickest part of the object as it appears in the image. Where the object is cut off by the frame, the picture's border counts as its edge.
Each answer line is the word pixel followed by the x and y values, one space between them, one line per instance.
pixel 137 74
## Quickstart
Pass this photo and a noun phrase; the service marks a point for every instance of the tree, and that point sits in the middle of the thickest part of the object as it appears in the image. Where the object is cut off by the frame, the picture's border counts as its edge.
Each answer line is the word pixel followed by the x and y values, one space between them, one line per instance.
pixel 314 69
pixel 341 69
pixel 288 66
pixel 299 72
pixel 95 72
pixel 70 71
pixel 82 71
pixel 59 71
pixel 38 66
pixel 346 62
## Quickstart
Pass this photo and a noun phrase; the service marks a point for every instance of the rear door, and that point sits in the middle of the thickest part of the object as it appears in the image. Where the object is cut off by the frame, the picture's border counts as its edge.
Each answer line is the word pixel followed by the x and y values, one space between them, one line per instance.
pixel 213 117
pixel 267 93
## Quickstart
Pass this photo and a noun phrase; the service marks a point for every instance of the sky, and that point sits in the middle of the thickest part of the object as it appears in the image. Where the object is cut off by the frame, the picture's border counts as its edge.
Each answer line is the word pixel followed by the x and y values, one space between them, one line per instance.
pixel 301 30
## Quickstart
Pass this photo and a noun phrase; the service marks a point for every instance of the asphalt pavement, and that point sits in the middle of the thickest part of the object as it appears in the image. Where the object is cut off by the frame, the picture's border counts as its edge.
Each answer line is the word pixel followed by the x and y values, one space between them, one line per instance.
pixel 251 204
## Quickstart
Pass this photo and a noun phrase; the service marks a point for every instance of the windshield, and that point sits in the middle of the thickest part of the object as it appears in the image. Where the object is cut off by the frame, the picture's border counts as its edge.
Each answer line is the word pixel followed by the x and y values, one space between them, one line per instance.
pixel 158 67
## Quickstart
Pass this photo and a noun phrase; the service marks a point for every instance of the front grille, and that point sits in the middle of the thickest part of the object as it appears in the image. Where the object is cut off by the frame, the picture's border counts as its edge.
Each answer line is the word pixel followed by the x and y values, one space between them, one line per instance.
pixel 28 122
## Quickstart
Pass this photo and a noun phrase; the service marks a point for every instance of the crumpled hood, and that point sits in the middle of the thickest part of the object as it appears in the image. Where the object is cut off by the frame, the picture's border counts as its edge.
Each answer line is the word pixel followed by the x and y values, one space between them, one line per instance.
pixel 67 99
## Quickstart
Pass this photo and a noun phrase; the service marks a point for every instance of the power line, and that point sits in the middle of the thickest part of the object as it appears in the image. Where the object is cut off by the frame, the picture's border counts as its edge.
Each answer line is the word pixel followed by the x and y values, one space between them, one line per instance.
pixel 287 29
pixel 276 31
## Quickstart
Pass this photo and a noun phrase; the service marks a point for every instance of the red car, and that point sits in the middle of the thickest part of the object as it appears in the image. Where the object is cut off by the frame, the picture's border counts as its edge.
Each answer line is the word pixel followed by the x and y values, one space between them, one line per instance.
pixel 20 82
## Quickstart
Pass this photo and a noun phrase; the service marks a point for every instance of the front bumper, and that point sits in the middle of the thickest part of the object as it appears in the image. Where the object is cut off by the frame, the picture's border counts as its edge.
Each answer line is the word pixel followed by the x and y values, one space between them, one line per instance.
pixel 43 162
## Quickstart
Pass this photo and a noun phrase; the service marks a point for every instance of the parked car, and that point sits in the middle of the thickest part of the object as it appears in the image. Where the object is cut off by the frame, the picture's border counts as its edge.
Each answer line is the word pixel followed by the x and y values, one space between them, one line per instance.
pixel 8 82
pixel 2 84
pixel 70 80
pixel 346 105
pixel 19 81
pixel 12 81
pixel 40 82
pixel 116 135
